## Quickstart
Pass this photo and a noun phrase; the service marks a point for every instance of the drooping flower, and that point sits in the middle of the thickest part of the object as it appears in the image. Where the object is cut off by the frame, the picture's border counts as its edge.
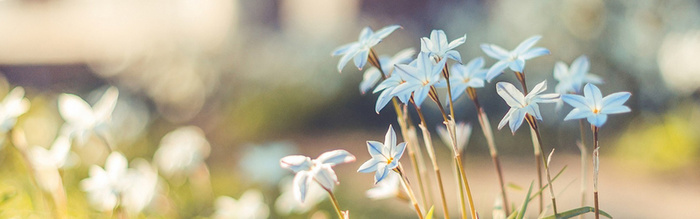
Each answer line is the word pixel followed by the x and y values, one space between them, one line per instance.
pixel 47 162
pixel 571 79
pixel 13 106
pixel 515 59
pixel 319 170
pixel 594 107
pixel 82 120
pixel 385 157
pixel 251 205
pixel 462 77
pixel 360 50
pixel 372 76
pixel 388 188
pixel 182 151
pixel 287 203
pixel 521 105
pixel 437 46
pixel 463 131
pixel 105 186
pixel 419 77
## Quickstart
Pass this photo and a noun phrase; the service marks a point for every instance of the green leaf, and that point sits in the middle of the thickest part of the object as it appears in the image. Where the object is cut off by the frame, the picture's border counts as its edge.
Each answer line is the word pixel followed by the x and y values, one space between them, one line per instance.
pixel 515 186
pixel 577 212
pixel 545 186
pixel 430 213
pixel 521 214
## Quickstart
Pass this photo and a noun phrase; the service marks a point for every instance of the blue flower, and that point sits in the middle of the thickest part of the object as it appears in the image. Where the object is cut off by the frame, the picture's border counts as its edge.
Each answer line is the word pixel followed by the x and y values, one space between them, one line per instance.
pixel 515 59
pixel 419 77
pixel 594 107
pixel 372 75
pixel 571 79
pixel 437 45
pixel 387 87
pixel 465 76
pixel 522 105
pixel 360 49
pixel 385 157
pixel 319 170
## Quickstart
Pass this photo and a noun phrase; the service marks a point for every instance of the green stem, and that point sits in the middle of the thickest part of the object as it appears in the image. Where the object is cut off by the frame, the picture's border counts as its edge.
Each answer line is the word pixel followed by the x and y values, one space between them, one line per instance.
pixel 535 143
pixel 533 124
pixel 409 191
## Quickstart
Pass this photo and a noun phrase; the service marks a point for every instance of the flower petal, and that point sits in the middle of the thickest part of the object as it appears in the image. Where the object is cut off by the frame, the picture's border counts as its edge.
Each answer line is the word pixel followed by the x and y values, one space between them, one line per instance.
pixel 533 53
pixel 296 163
pixel 454 55
pixel 495 51
pixel 325 176
pixel 580 66
pixel 381 173
pixel 526 44
pixel 561 72
pixel 455 43
pixel 361 59
pixel 105 106
pixel 365 34
pixel 615 99
pixel 593 96
pixel 517 65
pixel 615 110
pixel 369 79
pixel 74 110
pixel 539 88
pixel 506 118
pixel 398 152
pixel 496 70
pixel 510 94
pixel 390 139
pixel 474 65
pixel 375 149
pixel 301 185
pixel 369 166
pixel 516 119
pixel 578 113
pixel 335 157
pixel 384 32
pixel 534 110
pixel 577 101
pixel 346 58
pixel 598 120
pixel 343 49
pixel 383 100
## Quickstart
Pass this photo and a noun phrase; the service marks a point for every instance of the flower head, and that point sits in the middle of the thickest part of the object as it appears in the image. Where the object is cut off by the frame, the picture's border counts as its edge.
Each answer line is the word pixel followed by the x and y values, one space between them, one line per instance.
pixel 419 77
pixel 182 151
pixel 462 77
pixel 372 75
pixel 571 79
pixel 251 205
pixel 387 88
pixel 515 59
pixel 319 170
pixel 464 131
pixel 594 107
pixel 437 45
pixel 287 203
pixel 141 188
pixel 388 188
pixel 360 50
pixel 81 119
pixel 47 162
pixel 13 106
pixel 385 157
pixel 521 105
pixel 105 186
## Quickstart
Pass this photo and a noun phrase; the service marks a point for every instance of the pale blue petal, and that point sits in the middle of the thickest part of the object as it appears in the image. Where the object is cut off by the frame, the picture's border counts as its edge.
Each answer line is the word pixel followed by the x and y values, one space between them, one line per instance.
pixel 506 118
pixel 577 101
pixel 439 38
pixel 426 45
pixel 561 72
pixel 361 59
pixel 474 65
pixel 480 74
pixel 335 157
pixel 534 110
pixel 388 83
pixel 384 32
pixel 476 83
pixel 343 49
pixel 420 95
pixel 510 94
pixel 517 65
pixel 539 88
pixel 494 51
pixel 591 78
pixel 346 58
pixel 375 149
pixel 526 44
pixel 455 43
pixel 615 99
pixel 381 173
pixel 593 96
pixel 296 163
pixel 301 185
pixel 533 53
pixel 404 98
pixel 496 70
pixel 405 88
pixel 454 55
pixel 516 119
pixel 403 56
pixel 580 66
pixel 458 90
pixel 398 152
pixel 390 139
pixel 546 98
pixel 615 110
pixel 325 176
pixel 369 166
pixel 365 34
pixel 408 72
pixel 598 120
pixel 578 113
pixel 369 79
pixel 383 100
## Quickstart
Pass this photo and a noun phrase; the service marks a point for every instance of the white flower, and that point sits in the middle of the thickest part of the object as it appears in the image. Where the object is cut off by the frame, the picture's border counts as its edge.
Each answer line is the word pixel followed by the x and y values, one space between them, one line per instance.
pixel 522 105
pixel 82 120
pixel 47 162
pixel 463 131
pixel 182 151
pixel 286 203
pixel 105 186
pixel 12 107
pixel 141 188
pixel 251 205
pixel 387 188
pixel 318 170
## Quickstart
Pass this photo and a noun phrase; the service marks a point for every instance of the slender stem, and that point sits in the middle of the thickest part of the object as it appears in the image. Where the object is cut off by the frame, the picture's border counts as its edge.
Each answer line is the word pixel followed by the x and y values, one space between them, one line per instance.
pixel 336 206
pixel 463 175
pixel 535 143
pixel 463 208
pixel 595 170
pixel 584 167
pixel 488 133
pixel 431 154
pixel 409 191
pixel 521 78
pixel 404 124
pixel 446 74
pixel 533 124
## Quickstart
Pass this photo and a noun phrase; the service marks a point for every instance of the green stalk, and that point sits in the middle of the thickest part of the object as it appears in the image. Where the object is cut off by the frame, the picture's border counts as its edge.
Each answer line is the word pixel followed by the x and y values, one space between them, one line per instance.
pixel 336 206
pixel 533 124
pixel 409 191
pixel 535 143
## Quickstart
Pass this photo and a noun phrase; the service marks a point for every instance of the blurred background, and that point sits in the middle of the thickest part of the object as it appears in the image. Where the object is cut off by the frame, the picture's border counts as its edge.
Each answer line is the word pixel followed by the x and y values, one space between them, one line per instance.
pixel 258 79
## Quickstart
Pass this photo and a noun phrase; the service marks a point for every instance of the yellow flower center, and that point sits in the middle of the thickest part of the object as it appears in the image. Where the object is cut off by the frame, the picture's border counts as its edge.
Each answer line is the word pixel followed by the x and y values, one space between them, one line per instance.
pixel 596 110
pixel 388 161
